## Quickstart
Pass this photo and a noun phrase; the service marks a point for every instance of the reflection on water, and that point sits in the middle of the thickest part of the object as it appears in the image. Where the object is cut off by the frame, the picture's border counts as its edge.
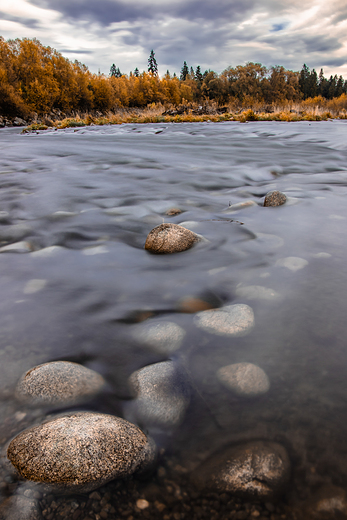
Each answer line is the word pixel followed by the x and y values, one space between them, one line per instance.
pixel 76 207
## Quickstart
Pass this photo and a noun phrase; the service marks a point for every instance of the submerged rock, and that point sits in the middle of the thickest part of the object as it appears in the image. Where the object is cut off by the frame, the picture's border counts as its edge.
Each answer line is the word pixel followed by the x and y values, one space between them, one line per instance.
pixel 58 382
pixel 244 379
pixel 231 320
pixel 328 503
pixel 274 198
pixel 164 337
pixel 173 211
pixel 162 395
pixel 80 451
pixel 170 238
pixel 18 507
pixel 256 469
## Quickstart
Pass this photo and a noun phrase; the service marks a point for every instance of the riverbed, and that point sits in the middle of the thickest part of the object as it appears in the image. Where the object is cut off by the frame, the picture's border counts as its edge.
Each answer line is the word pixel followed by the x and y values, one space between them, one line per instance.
pixel 76 206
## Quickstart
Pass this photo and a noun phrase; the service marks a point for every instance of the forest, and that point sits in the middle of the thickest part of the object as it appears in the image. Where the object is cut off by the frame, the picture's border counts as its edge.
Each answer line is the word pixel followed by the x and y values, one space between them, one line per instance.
pixel 36 80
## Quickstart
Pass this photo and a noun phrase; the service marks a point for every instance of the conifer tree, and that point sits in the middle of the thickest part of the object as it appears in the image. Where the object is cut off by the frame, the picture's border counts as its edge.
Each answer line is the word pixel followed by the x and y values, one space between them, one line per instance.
pixel 136 72
pixel 184 71
pixel 115 72
pixel 198 75
pixel 152 64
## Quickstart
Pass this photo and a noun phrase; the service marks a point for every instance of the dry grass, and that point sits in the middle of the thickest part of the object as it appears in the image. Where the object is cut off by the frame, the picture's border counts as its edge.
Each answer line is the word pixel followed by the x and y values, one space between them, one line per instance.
pixel 313 109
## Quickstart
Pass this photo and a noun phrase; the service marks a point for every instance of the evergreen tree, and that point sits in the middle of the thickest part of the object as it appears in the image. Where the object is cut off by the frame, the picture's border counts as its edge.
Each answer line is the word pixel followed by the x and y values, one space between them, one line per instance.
pixel 304 80
pixel 198 75
pixel 339 86
pixel 136 72
pixel 115 72
pixel 312 84
pixel 152 64
pixel 192 75
pixel 168 75
pixel 332 86
pixel 184 71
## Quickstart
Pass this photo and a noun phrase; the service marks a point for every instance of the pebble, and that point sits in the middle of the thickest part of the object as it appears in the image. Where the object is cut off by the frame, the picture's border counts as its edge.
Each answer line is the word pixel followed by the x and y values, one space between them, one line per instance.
pixel 173 211
pixel 258 469
pixel 240 205
pixel 170 238
pixel 58 382
pixel 142 504
pixel 164 337
pixel 244 379
pixel 274 198
pixel 81 451
pixel 162 395
pixel 257 292
pixel 17 247
pixel 293 263
pixel 231 320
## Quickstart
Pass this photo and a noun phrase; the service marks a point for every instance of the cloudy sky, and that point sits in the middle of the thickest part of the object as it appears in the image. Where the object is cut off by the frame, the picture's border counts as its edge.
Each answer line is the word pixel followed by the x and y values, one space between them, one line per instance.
pixel 210 34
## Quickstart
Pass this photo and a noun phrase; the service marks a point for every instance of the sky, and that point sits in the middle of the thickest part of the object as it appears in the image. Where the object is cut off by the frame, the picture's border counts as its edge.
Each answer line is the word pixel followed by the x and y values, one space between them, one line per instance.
pixel 214 35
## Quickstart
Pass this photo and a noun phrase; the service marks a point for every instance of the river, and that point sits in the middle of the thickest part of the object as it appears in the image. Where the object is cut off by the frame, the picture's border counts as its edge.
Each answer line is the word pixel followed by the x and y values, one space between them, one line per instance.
pixel 81 202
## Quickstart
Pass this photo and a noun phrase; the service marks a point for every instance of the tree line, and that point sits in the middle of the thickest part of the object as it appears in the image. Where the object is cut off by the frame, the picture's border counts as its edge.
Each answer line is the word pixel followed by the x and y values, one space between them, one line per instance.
pixel 38 79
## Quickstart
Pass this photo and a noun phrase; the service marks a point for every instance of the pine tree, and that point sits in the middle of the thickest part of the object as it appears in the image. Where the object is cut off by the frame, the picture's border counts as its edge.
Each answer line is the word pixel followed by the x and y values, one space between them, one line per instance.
pixel 115 72
pixel 304 80
pixel 192 72
pixel 198 75
pixel 152 64
pixel 136 72
pixel 184 71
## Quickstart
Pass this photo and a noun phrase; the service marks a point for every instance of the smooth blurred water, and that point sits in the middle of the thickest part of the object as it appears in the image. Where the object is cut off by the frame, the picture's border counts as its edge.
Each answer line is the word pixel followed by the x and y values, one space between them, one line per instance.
pixel 86 199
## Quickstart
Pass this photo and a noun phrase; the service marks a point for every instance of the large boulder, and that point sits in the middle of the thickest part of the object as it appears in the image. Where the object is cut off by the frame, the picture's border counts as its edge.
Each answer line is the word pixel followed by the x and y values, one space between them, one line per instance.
pixel 170 238
pixel 80 451
pixel 58 382
pixel 231 320
pixel 244 379
pixel 161 394
pixel 257 469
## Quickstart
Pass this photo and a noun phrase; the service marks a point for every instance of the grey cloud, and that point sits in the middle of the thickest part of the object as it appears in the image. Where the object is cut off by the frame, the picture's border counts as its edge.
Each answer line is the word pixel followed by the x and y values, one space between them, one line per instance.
pixel 106 12
pixel 28 22
pixel 75 51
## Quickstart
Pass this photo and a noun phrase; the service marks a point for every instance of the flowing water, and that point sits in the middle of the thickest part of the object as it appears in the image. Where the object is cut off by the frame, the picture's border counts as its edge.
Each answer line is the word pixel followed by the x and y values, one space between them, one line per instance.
pixel 81 202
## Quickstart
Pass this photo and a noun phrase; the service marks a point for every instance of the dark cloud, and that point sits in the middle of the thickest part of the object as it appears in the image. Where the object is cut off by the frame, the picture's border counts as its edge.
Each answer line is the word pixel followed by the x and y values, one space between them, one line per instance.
pixel 106 12
pixel 28 22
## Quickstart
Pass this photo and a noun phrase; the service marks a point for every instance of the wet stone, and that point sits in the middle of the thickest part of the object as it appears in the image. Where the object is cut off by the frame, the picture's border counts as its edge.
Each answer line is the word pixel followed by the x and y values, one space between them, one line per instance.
pixel 231 320
pixel 258 469
pixel 328 503
pixel 58 382
pixel 162 395
pixel 244 379
pixel 80 452
pixel 170 238
pixel 173 211
pixel 164 337
pixel 274 198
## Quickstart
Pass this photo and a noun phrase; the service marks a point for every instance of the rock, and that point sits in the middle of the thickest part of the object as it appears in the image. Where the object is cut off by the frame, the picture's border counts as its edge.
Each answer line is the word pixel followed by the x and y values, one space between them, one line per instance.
pixel 240 205
pixel 17 247
pixel 257 469
pixel 173 211
pixel 80 452
pixel 274 198
pixel 58 382
pixel 18 121
pixel 257 292
pixel 20 507
pixel 162 395
pixel 170 238
pixel 232 320
pixel 244 379
pixel 293 263
pixel 328 503
pixel 191 305
pixel 164 337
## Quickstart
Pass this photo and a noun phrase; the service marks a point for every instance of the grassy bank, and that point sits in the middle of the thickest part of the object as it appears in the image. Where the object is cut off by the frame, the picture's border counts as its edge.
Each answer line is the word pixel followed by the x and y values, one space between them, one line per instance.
pixel 303 111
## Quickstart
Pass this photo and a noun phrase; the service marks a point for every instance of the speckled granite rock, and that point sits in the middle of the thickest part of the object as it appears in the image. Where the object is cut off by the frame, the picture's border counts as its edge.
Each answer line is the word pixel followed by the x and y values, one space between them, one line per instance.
pixel 162 395
pixel 162 337
pixel 244 379
pixel 274 198
pixel 170 238
pixel 58 382
pixel 80 451
pixel 231 320
pixel 256 469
